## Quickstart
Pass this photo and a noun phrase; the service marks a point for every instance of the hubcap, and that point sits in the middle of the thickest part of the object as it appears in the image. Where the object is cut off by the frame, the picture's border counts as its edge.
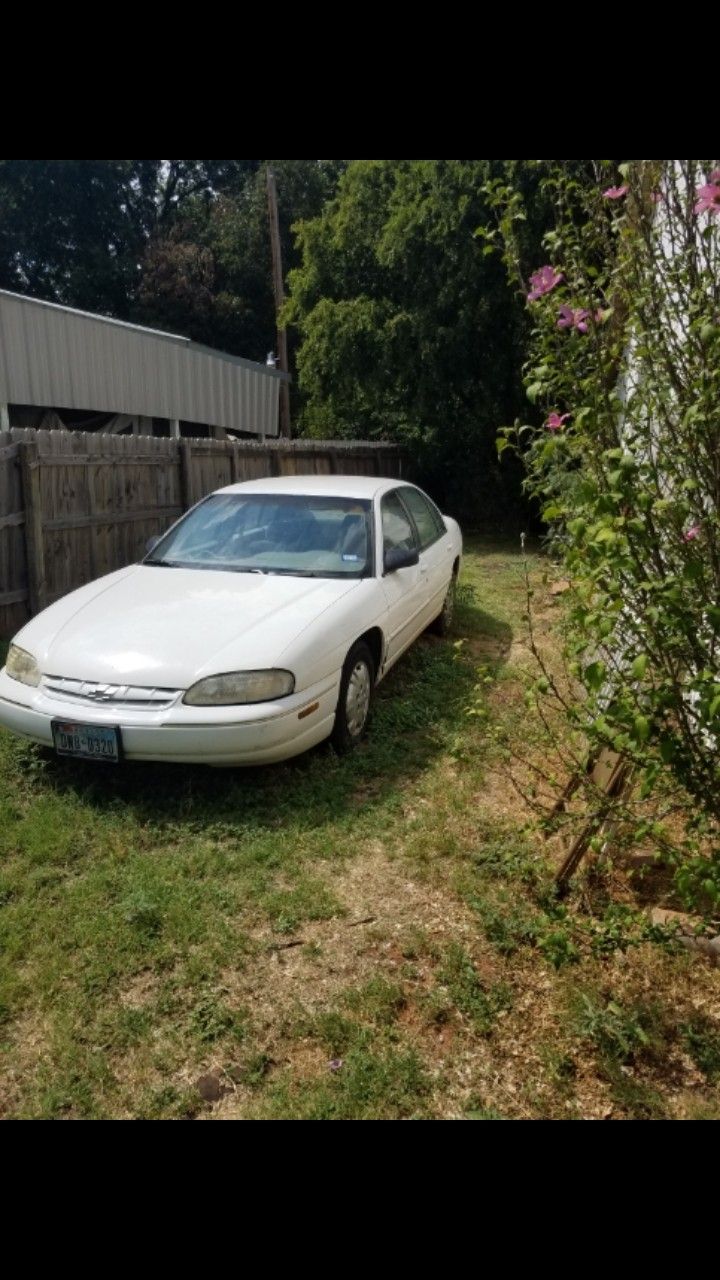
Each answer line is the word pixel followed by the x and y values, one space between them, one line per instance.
pixel 357 699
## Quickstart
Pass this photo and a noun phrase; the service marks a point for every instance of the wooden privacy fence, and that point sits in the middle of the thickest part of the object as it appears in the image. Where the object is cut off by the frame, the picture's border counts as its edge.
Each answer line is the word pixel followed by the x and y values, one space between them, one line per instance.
pixel 75 505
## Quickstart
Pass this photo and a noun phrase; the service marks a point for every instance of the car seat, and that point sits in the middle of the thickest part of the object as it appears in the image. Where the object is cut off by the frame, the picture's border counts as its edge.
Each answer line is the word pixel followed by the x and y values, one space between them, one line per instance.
pixel 352 540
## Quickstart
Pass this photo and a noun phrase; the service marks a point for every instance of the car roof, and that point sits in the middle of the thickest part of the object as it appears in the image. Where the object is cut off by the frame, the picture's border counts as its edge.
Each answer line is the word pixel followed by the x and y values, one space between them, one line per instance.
pixel 336 485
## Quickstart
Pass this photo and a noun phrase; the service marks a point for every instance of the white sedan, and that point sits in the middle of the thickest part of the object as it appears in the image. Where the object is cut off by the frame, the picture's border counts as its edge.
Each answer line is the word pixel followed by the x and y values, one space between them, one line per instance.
pixel 257 626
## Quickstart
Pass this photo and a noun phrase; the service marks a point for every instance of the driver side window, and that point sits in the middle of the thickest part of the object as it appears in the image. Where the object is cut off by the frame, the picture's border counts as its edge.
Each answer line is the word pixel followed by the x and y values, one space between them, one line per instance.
pixel 397 530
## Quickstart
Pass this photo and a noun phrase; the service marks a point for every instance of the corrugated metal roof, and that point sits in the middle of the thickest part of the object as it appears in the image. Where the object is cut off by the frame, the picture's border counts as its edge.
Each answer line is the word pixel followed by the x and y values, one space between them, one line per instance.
pixel 57 356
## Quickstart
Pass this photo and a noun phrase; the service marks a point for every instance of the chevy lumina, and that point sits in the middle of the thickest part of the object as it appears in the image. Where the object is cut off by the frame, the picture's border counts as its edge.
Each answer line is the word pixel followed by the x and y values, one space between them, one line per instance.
pixel 257 626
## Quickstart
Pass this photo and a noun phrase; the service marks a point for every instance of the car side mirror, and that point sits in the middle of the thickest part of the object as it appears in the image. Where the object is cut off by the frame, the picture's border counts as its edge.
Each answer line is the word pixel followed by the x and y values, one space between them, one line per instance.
pixel 151 544
pixel 400 558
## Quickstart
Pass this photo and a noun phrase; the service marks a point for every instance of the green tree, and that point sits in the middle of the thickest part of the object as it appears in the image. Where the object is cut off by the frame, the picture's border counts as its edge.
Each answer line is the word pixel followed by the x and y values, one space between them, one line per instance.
pixel 76 231
pixel 408 329
pixel 68 233
pixel 207 272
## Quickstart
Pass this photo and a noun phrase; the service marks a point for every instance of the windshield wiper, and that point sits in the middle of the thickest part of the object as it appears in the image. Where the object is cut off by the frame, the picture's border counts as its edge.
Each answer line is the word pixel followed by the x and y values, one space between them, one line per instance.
pixel 198 564
pixel 297 573
pixel 241 568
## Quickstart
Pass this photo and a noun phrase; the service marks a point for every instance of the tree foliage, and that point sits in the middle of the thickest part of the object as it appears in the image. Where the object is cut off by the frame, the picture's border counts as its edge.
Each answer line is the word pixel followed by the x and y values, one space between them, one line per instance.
pixel 180 244
pixel 208 271
pixel 75 231
pixel 408 329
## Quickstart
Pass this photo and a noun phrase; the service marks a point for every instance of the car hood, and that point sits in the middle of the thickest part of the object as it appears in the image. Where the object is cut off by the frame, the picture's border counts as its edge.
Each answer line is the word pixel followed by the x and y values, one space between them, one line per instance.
pixel 166 627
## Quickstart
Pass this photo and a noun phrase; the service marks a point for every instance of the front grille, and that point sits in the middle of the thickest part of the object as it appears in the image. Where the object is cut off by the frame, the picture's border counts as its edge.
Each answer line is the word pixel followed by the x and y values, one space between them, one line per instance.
pixel 96 694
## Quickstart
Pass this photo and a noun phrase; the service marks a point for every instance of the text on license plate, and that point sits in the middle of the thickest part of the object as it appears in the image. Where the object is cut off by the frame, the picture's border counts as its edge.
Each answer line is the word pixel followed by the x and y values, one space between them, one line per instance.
pixel 89 741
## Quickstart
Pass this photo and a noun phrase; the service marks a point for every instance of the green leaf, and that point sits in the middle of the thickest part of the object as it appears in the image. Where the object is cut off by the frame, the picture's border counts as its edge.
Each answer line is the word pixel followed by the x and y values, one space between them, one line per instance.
pixel 641 728
pixel 639 666
pixel 594 675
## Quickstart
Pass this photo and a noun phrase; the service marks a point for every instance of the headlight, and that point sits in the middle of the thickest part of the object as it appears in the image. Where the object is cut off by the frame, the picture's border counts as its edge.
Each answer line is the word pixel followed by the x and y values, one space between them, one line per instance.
pixel 22 666
pixel 240 686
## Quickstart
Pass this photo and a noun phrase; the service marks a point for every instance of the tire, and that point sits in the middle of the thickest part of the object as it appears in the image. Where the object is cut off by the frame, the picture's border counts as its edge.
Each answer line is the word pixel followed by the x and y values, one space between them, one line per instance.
pixel 443 623
pixel 357 685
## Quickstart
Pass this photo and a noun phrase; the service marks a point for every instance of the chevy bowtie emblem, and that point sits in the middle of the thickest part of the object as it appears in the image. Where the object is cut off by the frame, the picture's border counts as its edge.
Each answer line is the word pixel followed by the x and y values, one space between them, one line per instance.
pixel 101 692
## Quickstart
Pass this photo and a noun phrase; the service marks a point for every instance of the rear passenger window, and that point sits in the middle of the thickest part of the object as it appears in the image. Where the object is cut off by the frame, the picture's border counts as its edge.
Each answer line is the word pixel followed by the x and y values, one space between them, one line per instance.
pixel 429 522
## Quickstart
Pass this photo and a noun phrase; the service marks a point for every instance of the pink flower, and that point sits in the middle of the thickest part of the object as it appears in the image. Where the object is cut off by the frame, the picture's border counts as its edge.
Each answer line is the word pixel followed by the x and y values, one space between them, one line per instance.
pixel 708 200
pixel 556 420
pixel 715 176
pixel 543 281
pixel 335 1064
pixel 616 193
pixel 569 319
pixel 692 533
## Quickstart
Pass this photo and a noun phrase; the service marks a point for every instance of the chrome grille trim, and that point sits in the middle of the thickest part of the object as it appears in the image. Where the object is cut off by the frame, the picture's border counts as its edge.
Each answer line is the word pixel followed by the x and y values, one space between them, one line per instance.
pixel 96 694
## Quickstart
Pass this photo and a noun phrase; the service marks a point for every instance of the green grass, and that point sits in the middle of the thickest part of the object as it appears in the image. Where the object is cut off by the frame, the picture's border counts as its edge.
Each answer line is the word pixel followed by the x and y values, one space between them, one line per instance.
pixel 367 1086
pixel 701 1038
pixel 480 1002
pixel 159 922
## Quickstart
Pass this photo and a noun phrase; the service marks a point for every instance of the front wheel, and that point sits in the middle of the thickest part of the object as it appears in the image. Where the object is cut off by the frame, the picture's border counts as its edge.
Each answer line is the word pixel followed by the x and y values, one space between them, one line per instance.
pixel 354 703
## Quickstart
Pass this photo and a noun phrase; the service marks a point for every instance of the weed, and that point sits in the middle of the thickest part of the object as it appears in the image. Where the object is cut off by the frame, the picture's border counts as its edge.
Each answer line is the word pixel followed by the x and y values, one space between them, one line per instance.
pixel 701 1038
pixel 507 925
pixel 479 1002
pixel 618 1033
pixel 211 1019
pixel 558 947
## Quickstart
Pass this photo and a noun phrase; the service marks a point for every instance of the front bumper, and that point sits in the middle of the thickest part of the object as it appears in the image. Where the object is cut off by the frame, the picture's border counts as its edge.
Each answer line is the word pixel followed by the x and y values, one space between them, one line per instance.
pixel 259 734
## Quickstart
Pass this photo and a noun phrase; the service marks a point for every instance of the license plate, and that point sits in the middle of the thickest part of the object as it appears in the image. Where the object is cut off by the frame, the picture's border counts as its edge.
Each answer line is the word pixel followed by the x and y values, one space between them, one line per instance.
pixel 86 741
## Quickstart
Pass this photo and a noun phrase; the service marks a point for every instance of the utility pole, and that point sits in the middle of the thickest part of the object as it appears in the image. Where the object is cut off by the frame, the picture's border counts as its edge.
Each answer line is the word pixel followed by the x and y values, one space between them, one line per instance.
pixel 279 299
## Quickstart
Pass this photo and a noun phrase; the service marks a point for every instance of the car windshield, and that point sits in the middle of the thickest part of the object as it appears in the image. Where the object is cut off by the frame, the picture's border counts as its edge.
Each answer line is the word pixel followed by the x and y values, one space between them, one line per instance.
pixel 310 536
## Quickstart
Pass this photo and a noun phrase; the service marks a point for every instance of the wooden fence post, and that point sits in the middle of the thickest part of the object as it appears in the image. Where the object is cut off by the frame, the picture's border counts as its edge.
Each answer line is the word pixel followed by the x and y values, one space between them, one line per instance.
pixel 30 471
pixel 235 461
pixel 186 485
